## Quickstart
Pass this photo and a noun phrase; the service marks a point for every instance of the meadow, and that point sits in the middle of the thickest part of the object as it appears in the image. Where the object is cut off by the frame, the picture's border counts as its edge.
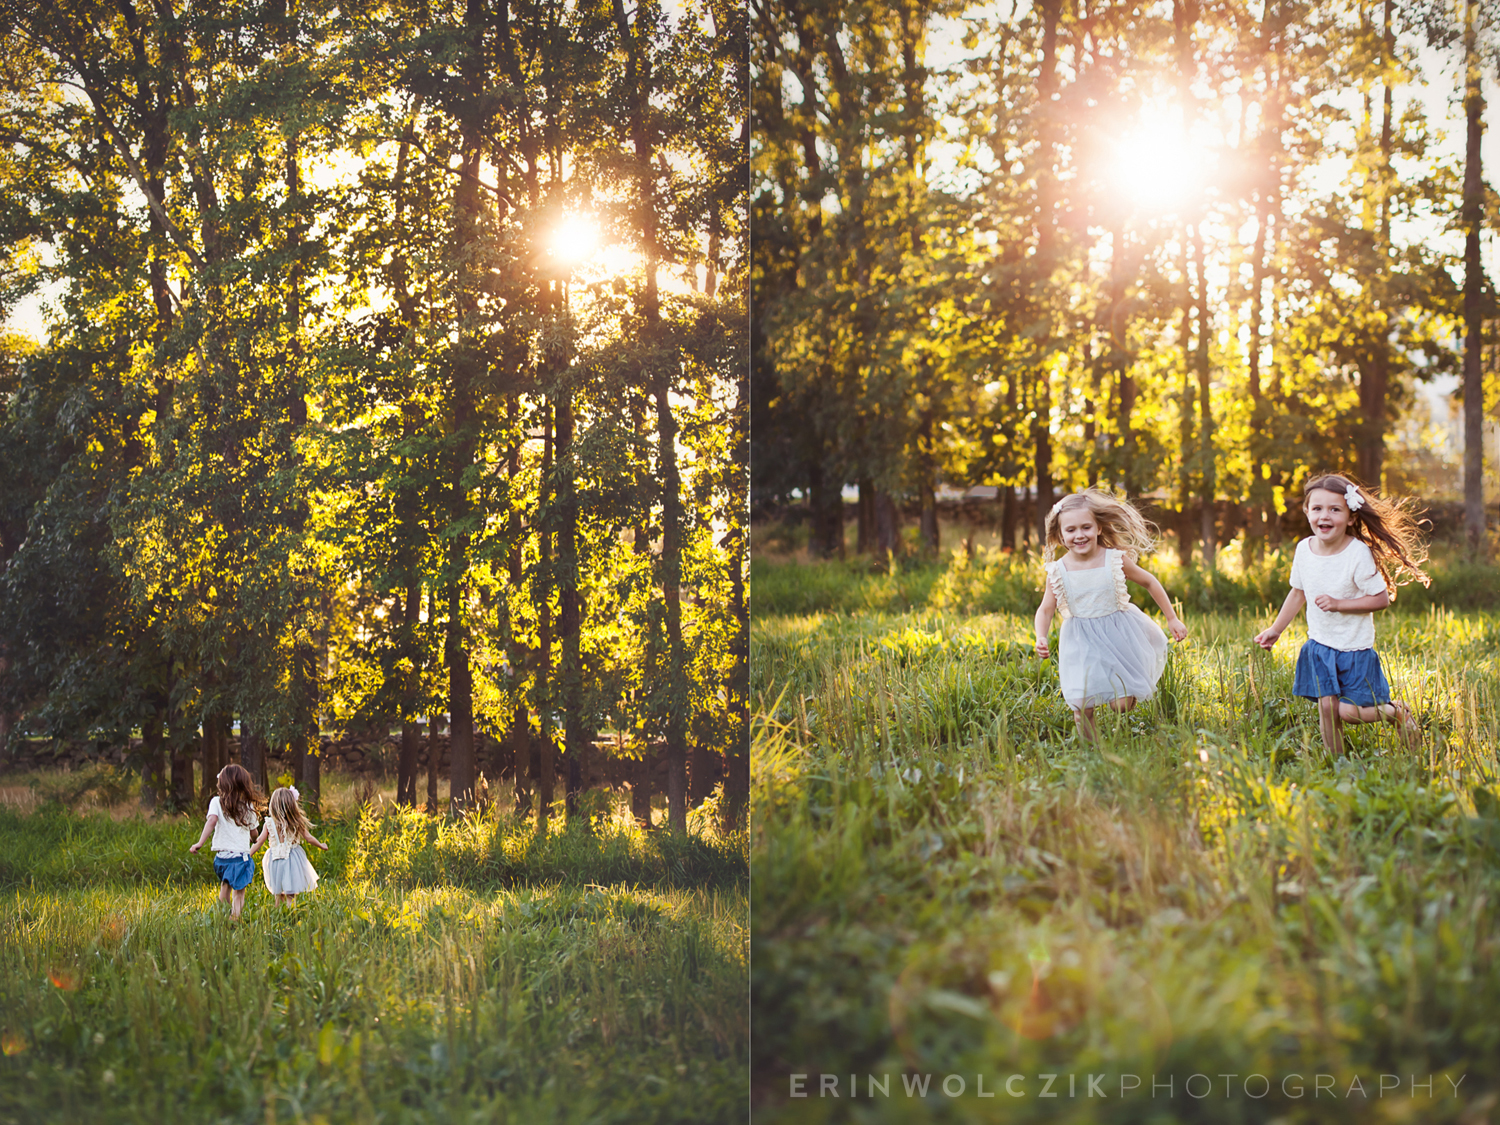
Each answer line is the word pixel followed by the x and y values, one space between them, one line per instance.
pixel 441 972
pixel 963 913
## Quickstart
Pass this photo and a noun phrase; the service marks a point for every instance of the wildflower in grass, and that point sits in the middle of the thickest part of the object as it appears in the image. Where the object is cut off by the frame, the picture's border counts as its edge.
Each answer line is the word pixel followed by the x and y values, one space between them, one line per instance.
pixel 231 819
pixel 1361 548
pixel 12 1042
pixel 65 978
pixel 1110 652
pixel 112 930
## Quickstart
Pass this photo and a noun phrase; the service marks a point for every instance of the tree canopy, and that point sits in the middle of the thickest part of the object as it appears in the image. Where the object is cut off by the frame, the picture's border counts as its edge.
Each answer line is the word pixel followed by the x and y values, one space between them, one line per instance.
pixel 1191 250
pixel 395 369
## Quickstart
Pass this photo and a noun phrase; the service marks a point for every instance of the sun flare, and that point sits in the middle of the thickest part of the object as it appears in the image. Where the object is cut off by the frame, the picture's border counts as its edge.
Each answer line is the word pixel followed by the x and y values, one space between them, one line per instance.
pixel 1156 166
pixel 574 240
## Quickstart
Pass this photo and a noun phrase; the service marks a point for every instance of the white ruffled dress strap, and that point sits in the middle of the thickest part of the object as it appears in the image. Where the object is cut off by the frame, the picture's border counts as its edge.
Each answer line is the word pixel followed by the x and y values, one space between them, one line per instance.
pixel 1059 586
pixel 1115 560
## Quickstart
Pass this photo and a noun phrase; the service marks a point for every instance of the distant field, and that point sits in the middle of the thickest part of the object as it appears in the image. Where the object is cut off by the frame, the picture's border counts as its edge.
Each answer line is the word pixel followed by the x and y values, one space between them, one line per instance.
pixel 948 883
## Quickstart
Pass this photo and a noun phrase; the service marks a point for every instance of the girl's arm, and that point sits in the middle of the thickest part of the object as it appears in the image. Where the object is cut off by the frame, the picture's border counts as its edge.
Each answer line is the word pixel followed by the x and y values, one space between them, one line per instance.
pixel 1044 621
pixel 208 830
pixel 1159 596
pixel 1367 604
pixel 261 839
pixel 311 839
pixel 1295 600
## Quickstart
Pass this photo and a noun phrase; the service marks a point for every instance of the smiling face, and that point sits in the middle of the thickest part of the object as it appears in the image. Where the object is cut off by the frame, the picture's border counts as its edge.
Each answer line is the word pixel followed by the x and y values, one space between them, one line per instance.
pixel 1328 516
pixel 1080 532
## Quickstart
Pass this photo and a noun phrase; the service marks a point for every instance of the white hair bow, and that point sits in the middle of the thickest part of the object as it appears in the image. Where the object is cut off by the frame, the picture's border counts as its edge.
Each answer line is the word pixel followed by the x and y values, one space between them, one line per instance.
pixel 295 795
pixel 1353 498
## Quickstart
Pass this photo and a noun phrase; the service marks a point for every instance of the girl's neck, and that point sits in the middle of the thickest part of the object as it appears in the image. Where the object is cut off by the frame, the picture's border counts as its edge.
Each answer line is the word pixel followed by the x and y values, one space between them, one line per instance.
pixel 1334 547
pixel 1088 560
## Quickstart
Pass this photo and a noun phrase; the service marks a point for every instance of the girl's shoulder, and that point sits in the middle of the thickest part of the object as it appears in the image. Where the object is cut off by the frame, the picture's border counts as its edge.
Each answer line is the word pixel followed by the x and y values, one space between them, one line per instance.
pixel 215 807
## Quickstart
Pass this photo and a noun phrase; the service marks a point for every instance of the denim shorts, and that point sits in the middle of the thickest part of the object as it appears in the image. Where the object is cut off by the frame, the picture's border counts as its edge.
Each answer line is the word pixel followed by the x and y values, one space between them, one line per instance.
pixel 1355 677
pixel 236 871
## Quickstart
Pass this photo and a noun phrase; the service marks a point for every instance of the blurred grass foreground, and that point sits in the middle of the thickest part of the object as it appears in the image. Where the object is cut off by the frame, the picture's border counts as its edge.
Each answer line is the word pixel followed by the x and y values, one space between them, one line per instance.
pixel 442 971
pixel 954 898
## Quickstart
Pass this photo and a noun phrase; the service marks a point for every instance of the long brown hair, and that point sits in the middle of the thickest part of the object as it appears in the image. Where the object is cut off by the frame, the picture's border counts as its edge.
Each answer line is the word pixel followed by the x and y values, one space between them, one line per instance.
pixel 1121 527
pixel 289 815
pixel 238 795
pixel 1388 527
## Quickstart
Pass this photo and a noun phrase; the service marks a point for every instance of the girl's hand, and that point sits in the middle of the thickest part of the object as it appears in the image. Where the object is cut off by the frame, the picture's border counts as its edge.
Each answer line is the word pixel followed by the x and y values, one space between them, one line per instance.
pixel 195 847
pixel 323 845
pixel 1267 638
pixel 1177 629
pixel 1328 605
pixel 1042 650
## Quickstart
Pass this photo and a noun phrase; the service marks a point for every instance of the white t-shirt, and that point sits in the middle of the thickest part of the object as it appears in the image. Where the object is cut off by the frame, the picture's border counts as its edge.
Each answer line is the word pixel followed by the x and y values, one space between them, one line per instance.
pixel 1351 573
pixel 230 838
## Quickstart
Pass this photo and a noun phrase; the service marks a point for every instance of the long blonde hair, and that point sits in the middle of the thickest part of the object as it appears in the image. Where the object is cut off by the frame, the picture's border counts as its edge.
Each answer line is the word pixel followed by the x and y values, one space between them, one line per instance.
pixel 1121 527
pixel 289 815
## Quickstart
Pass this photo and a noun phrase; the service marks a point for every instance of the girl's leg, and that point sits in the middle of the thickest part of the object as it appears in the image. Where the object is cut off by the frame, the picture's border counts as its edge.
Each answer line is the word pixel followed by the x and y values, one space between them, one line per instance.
pixel 1330 723
pixel 1084 718
pixel 1123 703
pixel 1395 713
pixel 224 892
pixel 237 904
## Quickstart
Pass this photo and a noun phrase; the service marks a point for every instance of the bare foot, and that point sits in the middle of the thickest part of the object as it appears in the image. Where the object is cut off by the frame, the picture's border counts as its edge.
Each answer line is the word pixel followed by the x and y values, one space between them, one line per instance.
pixel 1406 723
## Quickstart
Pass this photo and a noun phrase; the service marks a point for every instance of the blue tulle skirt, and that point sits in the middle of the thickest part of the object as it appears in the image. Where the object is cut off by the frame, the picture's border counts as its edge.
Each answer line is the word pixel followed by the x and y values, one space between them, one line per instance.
pixel 1355 677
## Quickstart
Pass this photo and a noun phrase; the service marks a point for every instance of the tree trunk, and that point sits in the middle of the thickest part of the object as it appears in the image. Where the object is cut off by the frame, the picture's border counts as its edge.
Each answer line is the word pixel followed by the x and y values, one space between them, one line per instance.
pixel 737 755
pixel 434 761
pixel 461 756
pixel 671 562
pixel 706 772
pixel 253 756
pixel 638 81
pixel 887 526
pixel 570 669
pixel 517 738
pixel 1473 221
pixel 1208 476
pixel 826 508
pixel 215 756
pixel 542 744
pixel 1046 262
pixel 640 792
pixel 864 510
pixel 1374 378
pixel 179 743
pixel 153 764
pixel 1008 517
pixel 406 763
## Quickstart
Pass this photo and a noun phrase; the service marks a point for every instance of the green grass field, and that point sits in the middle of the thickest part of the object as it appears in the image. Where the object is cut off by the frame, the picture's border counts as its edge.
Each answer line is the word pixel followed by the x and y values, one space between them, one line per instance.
pixel 440 973
pixel 952 892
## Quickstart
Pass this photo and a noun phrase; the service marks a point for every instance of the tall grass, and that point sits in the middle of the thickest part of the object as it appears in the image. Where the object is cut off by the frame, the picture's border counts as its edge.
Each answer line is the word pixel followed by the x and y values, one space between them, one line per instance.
pixel 588 977
pixel 993 582
pixel 948 882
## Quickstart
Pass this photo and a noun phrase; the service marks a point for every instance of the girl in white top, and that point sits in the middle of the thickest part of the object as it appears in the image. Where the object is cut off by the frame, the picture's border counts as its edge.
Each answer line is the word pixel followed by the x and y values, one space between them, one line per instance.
pixel 286 868
pixel 1360 549
pixel 1110 652
pixel 231 819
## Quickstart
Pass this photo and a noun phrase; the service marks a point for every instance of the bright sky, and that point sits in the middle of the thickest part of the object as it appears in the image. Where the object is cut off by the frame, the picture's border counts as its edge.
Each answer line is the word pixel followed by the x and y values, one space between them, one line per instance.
pixel 1156 167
